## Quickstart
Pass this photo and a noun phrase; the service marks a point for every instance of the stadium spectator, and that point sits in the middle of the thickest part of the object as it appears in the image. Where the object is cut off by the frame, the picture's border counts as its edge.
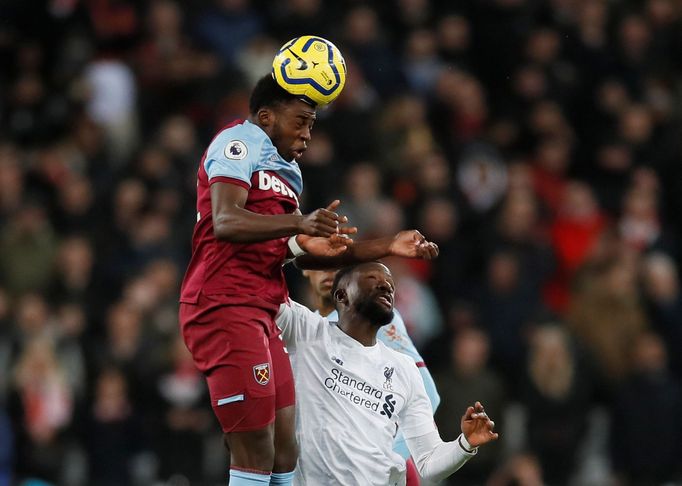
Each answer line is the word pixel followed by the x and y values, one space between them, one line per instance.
pixel 521 469
pixel 182 415
pixel 607 314
pixel 648 382
pixel 112 430
pixel 557 385
pixel 662 293
pixel 468 378
pixel 41 406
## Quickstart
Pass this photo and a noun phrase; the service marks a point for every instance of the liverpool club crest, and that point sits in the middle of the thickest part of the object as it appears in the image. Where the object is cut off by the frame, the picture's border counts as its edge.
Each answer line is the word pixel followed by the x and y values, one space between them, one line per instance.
pixel 388 374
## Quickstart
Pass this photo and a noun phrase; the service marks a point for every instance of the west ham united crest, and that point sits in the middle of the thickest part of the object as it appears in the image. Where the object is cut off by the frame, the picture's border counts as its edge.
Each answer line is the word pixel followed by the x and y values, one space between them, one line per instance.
pixel 261 373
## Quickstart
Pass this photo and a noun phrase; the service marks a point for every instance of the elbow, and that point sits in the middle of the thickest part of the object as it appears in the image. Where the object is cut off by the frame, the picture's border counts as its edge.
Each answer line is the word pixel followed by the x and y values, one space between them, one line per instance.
pixel 225 230
pixel 425 472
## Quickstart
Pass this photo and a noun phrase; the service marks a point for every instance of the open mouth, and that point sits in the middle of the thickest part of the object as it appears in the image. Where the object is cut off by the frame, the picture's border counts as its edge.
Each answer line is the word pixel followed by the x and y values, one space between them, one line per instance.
pixel 298 152
pixel 386 301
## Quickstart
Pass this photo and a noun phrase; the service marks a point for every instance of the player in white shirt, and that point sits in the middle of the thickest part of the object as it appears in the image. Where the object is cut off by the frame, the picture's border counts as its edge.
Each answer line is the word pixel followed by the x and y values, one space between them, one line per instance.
pixel 395 336
pixel 353 392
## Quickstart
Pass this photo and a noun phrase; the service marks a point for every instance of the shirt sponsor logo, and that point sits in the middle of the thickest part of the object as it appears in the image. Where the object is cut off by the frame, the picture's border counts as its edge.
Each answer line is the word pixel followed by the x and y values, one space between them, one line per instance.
pixel 361 393
pixel 261 373
pixel 388 407
pixel 236 150
pixel 268 182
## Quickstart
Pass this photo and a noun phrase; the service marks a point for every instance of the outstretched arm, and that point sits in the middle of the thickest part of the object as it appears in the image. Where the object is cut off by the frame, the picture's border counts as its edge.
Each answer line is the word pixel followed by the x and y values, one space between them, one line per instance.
pixel 437 460
pixel 408 244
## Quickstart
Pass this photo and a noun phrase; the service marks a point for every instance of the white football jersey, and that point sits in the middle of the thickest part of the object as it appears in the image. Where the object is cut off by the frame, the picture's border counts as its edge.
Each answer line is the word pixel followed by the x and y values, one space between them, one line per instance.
pixel 350 400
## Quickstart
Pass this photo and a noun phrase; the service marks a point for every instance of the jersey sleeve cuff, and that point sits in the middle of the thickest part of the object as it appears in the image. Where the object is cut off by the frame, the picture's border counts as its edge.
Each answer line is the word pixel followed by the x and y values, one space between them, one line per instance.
pixel 229 180
pixel 465 446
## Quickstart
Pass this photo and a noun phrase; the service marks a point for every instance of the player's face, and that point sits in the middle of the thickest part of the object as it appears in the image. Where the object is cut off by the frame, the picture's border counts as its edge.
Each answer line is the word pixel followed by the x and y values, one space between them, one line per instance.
pixel 321 281
pixel 291 131
pixel 374 293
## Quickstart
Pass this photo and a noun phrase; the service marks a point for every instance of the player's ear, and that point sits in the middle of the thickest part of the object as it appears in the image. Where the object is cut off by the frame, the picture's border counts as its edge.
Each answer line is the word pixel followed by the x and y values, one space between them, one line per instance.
pixel 340 296
pixel 266 117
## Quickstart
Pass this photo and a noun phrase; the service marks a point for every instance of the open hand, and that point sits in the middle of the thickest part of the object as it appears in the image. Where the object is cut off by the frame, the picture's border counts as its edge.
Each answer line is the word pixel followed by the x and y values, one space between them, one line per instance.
pixel 412 244
pixel 332 246
pixel 477 427
pixel 325 222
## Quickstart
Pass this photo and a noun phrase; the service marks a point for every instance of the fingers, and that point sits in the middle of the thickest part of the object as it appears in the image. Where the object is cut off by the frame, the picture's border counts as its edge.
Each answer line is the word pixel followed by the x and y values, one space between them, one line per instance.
pixel 326 221
pixel 340 239
pixel 477 426
pixel 348 230
pixel 333 205
pixel 428 250
pixel 337 250
pixel 479 412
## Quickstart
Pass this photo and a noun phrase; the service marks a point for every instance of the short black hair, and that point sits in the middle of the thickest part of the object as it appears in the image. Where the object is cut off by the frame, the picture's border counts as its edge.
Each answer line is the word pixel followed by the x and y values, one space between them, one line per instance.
pixel 341 274
pixel 267 93
pixel 345 271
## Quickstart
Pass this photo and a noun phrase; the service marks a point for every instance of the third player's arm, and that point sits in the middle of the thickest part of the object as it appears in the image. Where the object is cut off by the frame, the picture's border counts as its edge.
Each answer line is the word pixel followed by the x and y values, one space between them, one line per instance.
pixel 408 244
pixel 231 222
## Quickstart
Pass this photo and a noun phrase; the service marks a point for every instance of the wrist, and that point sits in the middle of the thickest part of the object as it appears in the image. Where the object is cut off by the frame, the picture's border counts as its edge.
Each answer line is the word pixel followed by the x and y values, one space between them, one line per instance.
pixel 297 226
pixel 390 246
pixel 465 446
pixel 295 248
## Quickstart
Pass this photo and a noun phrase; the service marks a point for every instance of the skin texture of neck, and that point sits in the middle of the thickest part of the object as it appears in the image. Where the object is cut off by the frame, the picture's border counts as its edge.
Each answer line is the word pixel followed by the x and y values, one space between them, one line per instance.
pixel 325 306
pixel 358 327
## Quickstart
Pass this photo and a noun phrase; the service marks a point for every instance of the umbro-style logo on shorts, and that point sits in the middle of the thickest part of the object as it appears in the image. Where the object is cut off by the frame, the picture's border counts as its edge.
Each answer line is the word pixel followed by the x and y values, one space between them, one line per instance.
pixel 261 373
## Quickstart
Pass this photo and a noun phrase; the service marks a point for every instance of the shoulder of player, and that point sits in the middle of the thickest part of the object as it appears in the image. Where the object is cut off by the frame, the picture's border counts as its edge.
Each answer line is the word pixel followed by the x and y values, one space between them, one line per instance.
pixel 310 317
pixel 399 357
pixel 247 134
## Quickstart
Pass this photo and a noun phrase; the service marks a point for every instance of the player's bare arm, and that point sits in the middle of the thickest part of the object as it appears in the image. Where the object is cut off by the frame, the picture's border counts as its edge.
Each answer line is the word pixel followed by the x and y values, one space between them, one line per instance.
pixel 406 244
pixel 231 222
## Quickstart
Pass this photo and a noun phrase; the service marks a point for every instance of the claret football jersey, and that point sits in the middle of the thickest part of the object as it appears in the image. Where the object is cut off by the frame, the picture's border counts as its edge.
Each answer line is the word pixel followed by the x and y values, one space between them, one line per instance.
pixel 242 273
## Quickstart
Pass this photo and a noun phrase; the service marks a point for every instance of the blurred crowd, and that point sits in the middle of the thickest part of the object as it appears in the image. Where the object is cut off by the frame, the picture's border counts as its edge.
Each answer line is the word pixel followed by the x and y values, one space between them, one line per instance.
pixel 538 142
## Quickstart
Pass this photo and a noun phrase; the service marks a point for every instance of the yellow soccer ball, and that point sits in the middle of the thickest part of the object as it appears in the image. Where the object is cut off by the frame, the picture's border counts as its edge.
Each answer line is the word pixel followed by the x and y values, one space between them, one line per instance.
pixel 310 67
